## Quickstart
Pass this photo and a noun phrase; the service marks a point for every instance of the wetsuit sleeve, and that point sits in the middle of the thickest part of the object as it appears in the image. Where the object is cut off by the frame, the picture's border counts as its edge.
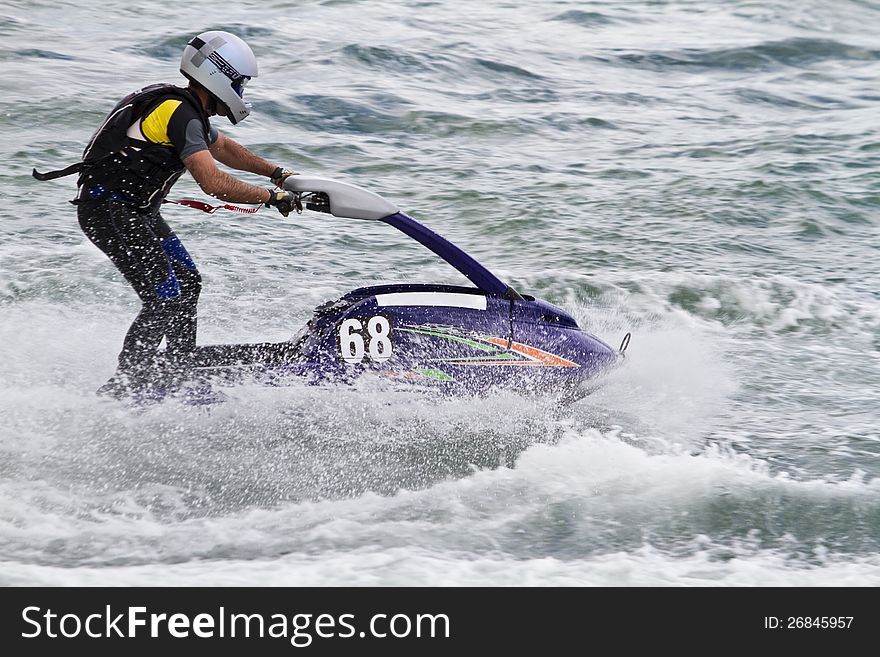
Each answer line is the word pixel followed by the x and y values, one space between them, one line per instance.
pixel 195 138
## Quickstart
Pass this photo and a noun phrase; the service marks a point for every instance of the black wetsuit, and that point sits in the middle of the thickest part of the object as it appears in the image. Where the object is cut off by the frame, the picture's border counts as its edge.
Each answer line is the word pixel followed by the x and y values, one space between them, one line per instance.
pixel 156 264
pixel 118 208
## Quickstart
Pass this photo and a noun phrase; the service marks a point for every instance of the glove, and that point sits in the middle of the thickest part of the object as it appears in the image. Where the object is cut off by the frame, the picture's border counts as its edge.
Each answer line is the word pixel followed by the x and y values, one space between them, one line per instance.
pixel 279 175
pixel 284 201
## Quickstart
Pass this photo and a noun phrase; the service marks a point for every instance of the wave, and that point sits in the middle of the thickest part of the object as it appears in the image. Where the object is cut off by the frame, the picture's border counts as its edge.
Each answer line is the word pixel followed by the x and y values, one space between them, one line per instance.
pixel 589 19
pixel 171 47
pixel 37 53
pixel 396 60
pixel 383 566
pixel 795 52
pixel 581 500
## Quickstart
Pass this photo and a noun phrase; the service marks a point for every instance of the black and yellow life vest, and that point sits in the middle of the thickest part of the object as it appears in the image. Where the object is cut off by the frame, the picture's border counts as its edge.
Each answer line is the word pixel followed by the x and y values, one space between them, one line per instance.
pixel 135 171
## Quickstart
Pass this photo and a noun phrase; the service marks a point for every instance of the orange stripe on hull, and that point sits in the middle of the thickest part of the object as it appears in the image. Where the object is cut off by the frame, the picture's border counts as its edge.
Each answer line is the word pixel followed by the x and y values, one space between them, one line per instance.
pixel 536 356
pixel 498 363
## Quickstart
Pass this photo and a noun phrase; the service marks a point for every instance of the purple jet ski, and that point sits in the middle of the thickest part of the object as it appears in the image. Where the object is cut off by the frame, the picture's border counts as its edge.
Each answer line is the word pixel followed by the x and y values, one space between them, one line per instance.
pixel 460 340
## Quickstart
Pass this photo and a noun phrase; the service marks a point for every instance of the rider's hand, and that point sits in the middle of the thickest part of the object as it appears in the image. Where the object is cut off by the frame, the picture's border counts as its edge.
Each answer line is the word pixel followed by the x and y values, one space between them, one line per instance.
pixel 280 175
pixel 284 201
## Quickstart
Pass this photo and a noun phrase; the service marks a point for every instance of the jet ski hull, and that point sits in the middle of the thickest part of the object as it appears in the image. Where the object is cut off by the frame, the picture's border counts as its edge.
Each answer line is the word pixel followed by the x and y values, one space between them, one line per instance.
pixel 453 339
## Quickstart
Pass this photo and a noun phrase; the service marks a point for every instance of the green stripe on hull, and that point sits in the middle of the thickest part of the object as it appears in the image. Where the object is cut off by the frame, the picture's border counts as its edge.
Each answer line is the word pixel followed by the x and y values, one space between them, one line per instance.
pixel 439 375
pixel 471 343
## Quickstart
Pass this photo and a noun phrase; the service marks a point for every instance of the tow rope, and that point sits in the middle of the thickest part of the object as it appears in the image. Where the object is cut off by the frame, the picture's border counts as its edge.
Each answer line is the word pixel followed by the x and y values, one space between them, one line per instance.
pixel 210 209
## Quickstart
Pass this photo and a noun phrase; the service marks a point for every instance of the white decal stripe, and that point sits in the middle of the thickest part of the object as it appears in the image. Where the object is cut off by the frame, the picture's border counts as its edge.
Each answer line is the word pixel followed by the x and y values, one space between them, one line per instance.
pixel 475 301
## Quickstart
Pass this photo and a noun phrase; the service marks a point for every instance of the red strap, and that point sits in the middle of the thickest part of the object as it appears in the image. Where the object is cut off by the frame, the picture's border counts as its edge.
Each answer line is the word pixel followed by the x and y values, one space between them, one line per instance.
pixel 204 207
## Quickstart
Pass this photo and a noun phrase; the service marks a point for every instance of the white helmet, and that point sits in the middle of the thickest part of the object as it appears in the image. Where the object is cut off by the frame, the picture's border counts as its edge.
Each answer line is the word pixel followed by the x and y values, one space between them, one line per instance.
pixel 222 63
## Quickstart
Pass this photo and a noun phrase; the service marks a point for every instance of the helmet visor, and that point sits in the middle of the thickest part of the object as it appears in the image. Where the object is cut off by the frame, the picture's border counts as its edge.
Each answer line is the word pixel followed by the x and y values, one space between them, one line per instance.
pixel 239 84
